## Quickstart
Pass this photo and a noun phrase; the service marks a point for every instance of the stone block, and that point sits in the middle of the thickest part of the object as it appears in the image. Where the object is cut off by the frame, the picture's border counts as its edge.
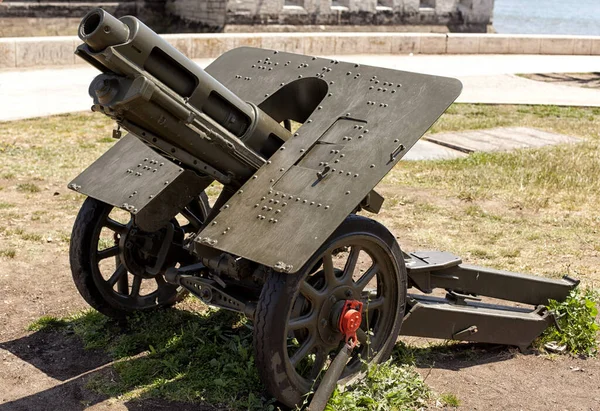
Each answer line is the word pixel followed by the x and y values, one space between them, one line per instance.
pixel 582 46
pixel 284 42
pixel 493 44
pixel 44 51
pixel 181 42
pixel 406 44
pixel 8 53
pixel 524 45
pixel 595 46
pixel 462 44
pixel 367 43
pixel 433 44
pixel 248 40
pixel 557 45
pixel 211 45
pixel 320 45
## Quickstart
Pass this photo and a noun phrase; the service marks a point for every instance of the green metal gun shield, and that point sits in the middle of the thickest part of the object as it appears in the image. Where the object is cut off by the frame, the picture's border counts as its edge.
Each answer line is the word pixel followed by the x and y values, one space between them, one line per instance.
pixel 358 122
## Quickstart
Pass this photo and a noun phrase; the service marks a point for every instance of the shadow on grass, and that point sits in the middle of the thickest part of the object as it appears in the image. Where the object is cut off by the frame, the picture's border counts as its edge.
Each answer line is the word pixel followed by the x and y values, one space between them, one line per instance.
pixel 168 359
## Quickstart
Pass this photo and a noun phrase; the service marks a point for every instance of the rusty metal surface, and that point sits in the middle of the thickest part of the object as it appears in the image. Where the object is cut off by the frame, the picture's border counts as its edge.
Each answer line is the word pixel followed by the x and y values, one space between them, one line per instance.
pixel 367 120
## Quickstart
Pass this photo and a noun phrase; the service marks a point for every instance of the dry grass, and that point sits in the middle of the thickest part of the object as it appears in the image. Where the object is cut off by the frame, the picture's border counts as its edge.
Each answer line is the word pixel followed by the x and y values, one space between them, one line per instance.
pixel 39 157
pixel 529 210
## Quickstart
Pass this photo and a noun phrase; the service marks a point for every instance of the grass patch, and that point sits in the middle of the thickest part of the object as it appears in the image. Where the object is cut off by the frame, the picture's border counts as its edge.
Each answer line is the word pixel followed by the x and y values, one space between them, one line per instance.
pixel 5 205
pixel 28 188
pixel 8 253
pixel 449 400
pixel 47 323
pixel 577 328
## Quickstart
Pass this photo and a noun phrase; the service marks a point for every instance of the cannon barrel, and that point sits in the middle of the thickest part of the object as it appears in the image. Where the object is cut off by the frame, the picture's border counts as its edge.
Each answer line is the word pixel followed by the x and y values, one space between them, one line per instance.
pixel 155 91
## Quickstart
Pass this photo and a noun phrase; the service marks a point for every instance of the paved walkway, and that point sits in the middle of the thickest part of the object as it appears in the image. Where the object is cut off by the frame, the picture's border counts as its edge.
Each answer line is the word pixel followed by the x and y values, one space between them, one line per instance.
pixel 459 144
pixel 486 79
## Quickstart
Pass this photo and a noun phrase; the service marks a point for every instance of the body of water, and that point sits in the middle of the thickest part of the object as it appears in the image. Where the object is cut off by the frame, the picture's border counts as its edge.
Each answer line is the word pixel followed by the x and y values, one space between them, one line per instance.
pixel 578 17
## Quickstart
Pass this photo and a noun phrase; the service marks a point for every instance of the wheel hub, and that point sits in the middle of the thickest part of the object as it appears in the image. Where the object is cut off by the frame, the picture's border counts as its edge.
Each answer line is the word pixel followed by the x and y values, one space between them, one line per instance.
pixel 141 250
pixel 330 313
pixel 350 320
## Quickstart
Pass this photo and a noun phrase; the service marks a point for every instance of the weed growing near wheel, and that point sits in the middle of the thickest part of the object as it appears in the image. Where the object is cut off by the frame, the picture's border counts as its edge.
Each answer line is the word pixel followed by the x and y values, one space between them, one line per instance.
pixel 385 387
pixel 576 317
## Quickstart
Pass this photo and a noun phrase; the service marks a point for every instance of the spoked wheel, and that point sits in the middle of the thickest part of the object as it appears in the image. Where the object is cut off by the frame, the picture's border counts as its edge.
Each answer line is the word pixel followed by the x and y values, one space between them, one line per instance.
pixel 296 321
pixel 119 269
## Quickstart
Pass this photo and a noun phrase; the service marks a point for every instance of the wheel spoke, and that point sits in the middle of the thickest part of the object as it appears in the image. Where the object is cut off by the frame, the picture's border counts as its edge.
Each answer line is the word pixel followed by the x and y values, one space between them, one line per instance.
pixel 301 322
pixel 375 304
pixel 328 269
pixel 108 252
pixel 135 287
pixel 366 278
pixel 351 263
pixel 303 351
pixel 123 284
pixel 115 226
pixel 309 292
pixel 117 275
pixel 192 218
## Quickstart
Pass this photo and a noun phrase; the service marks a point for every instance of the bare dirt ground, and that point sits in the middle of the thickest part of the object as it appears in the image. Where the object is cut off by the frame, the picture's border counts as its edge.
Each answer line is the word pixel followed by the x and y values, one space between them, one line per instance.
pixel 49 370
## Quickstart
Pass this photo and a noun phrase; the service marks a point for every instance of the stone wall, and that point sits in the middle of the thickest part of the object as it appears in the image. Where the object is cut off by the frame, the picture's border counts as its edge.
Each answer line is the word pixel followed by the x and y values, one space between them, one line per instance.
pixel 168 16
pixel 459 15
pixel 209 13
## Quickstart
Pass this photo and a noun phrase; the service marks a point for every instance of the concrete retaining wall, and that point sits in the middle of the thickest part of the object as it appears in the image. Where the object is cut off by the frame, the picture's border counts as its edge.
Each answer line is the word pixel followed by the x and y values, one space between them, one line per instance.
pixel 52 51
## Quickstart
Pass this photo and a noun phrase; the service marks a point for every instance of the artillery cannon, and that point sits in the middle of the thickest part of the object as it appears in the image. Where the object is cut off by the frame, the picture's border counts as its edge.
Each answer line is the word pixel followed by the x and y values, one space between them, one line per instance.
pixel 283 242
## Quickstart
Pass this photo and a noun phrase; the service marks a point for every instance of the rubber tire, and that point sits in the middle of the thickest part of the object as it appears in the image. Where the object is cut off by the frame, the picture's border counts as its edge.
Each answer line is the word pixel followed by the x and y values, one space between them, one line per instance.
pixel 276 300
pixel 81 266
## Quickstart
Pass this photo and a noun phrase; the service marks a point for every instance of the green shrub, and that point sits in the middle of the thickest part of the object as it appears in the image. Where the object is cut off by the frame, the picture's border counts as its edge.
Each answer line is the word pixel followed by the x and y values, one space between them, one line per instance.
pixel 576 317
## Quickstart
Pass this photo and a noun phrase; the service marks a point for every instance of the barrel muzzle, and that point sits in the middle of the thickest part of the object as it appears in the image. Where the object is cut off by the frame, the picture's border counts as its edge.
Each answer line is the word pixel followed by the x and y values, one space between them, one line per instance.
pixel 100 30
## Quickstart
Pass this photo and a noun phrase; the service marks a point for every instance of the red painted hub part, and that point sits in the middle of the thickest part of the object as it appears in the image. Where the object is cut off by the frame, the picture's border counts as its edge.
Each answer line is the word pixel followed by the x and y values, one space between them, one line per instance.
pixel 350 320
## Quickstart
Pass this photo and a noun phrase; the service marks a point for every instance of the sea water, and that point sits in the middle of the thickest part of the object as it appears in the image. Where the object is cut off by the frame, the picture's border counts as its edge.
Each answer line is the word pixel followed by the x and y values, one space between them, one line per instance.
pixel 578 17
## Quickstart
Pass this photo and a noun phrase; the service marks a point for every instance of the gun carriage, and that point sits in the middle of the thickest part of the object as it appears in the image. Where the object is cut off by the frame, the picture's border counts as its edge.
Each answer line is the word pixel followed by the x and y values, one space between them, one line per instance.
pixel 283 242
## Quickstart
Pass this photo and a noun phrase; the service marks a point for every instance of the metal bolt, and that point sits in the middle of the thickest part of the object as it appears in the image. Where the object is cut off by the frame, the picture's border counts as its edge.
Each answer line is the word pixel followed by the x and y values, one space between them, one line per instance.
pixel 323 322
pixel 348 293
